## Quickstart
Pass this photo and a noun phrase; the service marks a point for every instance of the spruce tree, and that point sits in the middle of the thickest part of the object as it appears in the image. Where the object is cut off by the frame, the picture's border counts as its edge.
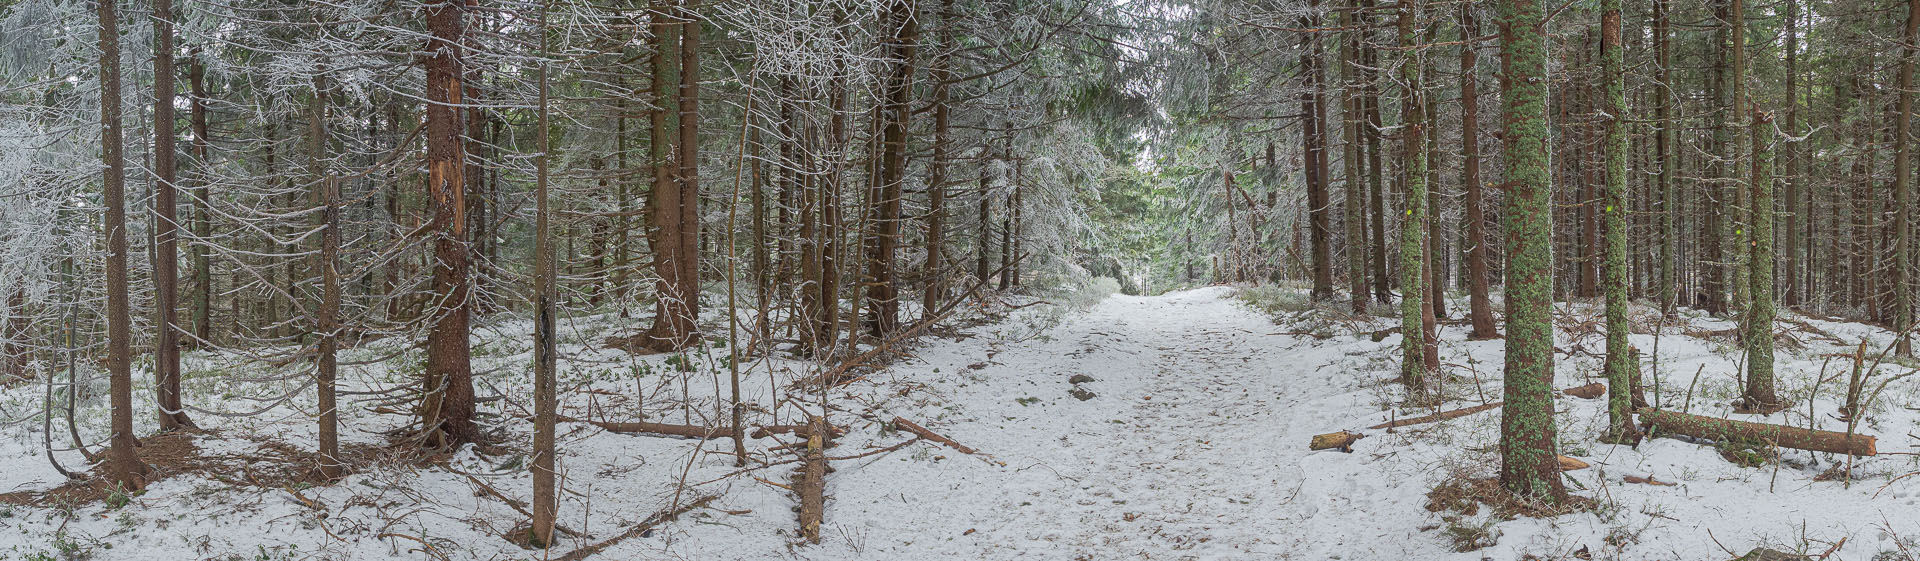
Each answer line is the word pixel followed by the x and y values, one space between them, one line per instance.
pixel 1529 465
pixel 1620 362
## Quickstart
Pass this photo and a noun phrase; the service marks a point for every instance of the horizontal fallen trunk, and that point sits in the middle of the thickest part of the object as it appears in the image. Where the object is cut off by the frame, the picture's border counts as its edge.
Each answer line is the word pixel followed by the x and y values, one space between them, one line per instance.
pixel 812 484
pixel 1713 428
pixel 1441 416
pixel 1342 441
pixel 1589 391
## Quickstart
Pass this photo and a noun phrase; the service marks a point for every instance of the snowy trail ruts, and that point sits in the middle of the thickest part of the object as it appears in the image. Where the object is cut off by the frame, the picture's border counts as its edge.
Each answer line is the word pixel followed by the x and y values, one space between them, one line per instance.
pixel 1194 448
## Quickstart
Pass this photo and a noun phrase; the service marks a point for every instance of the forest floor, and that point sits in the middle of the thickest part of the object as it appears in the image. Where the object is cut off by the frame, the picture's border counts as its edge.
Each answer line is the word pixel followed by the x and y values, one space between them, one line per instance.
pixel 1190 444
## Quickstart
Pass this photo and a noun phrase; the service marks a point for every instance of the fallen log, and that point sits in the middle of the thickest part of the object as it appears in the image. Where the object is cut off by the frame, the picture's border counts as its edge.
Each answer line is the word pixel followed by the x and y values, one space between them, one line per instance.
pixel 1589 391
pixel 812 486
pixel 922 432
pixel 1342 441
pixel 1441 416
pixel 689 431
pixel 658 518
pixel 770 430
pixel 1713 428
pixel 1570 464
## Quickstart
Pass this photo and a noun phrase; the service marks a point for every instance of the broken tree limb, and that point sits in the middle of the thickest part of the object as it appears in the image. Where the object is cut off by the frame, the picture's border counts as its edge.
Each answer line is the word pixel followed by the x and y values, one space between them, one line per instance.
pixel 1713 428
pixel 658 518
pixel 922 432
pixel 812 486
pixel 1342 441
pixel 1589 391
pixel 689 431
pixel 1441 416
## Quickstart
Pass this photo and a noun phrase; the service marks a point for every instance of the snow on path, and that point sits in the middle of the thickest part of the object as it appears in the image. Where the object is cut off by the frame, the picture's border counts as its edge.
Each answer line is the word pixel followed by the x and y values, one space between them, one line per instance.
pixel 1194 448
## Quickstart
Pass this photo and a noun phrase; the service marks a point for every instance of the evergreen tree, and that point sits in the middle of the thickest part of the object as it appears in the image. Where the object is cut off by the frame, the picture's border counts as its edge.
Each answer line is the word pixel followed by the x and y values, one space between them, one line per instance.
pixel 1529 464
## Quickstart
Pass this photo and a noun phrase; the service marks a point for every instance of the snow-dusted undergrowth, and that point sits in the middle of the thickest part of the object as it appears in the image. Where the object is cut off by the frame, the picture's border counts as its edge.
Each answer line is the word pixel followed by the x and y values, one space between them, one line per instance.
pixel 1192 446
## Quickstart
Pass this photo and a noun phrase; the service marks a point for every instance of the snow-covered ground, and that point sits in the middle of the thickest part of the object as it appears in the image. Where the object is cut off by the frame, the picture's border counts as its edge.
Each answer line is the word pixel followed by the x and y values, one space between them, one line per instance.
pixel 1193 446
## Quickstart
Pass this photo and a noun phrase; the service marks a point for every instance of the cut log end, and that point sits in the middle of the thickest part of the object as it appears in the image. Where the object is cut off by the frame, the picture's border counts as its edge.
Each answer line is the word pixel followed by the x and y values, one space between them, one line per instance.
pixel 1589 391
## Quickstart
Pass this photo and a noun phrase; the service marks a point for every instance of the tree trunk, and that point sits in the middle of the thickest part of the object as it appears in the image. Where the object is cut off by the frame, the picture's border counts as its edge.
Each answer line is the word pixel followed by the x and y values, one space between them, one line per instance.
pixel 1356 207
pixel 202 223
pixel 932 269
pixel 1664 162
pixel 1479 303
pixel 1529 464
pixel 673 320
pixel 688 258
pixel 327 324
pixel 1902 183
pixel 883 242
pixel 984 247
pixel 166 229
pixel 1414 308
pixel 1314 146
pixel 1620 361
pixel 545 345
pixel 1759 394
pixel 1791 214
pixel 123 465
pixel 447 406
pixel 1382 279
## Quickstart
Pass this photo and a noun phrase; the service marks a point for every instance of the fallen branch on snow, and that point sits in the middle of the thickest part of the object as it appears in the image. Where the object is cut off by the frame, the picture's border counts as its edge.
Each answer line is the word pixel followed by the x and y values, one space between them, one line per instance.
pixel 1441 416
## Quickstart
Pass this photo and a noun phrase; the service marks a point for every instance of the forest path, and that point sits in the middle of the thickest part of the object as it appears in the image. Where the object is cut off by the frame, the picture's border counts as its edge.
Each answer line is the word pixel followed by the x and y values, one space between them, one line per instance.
pixel 1194 448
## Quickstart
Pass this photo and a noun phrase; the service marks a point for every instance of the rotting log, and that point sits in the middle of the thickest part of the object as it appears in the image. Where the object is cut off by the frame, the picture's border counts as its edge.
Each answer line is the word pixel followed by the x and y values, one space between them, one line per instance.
pixel 1714 428
pixel 1441 416
pixel 1342 441
pixel 1589 391
pixel 812 486
pixel 922 432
